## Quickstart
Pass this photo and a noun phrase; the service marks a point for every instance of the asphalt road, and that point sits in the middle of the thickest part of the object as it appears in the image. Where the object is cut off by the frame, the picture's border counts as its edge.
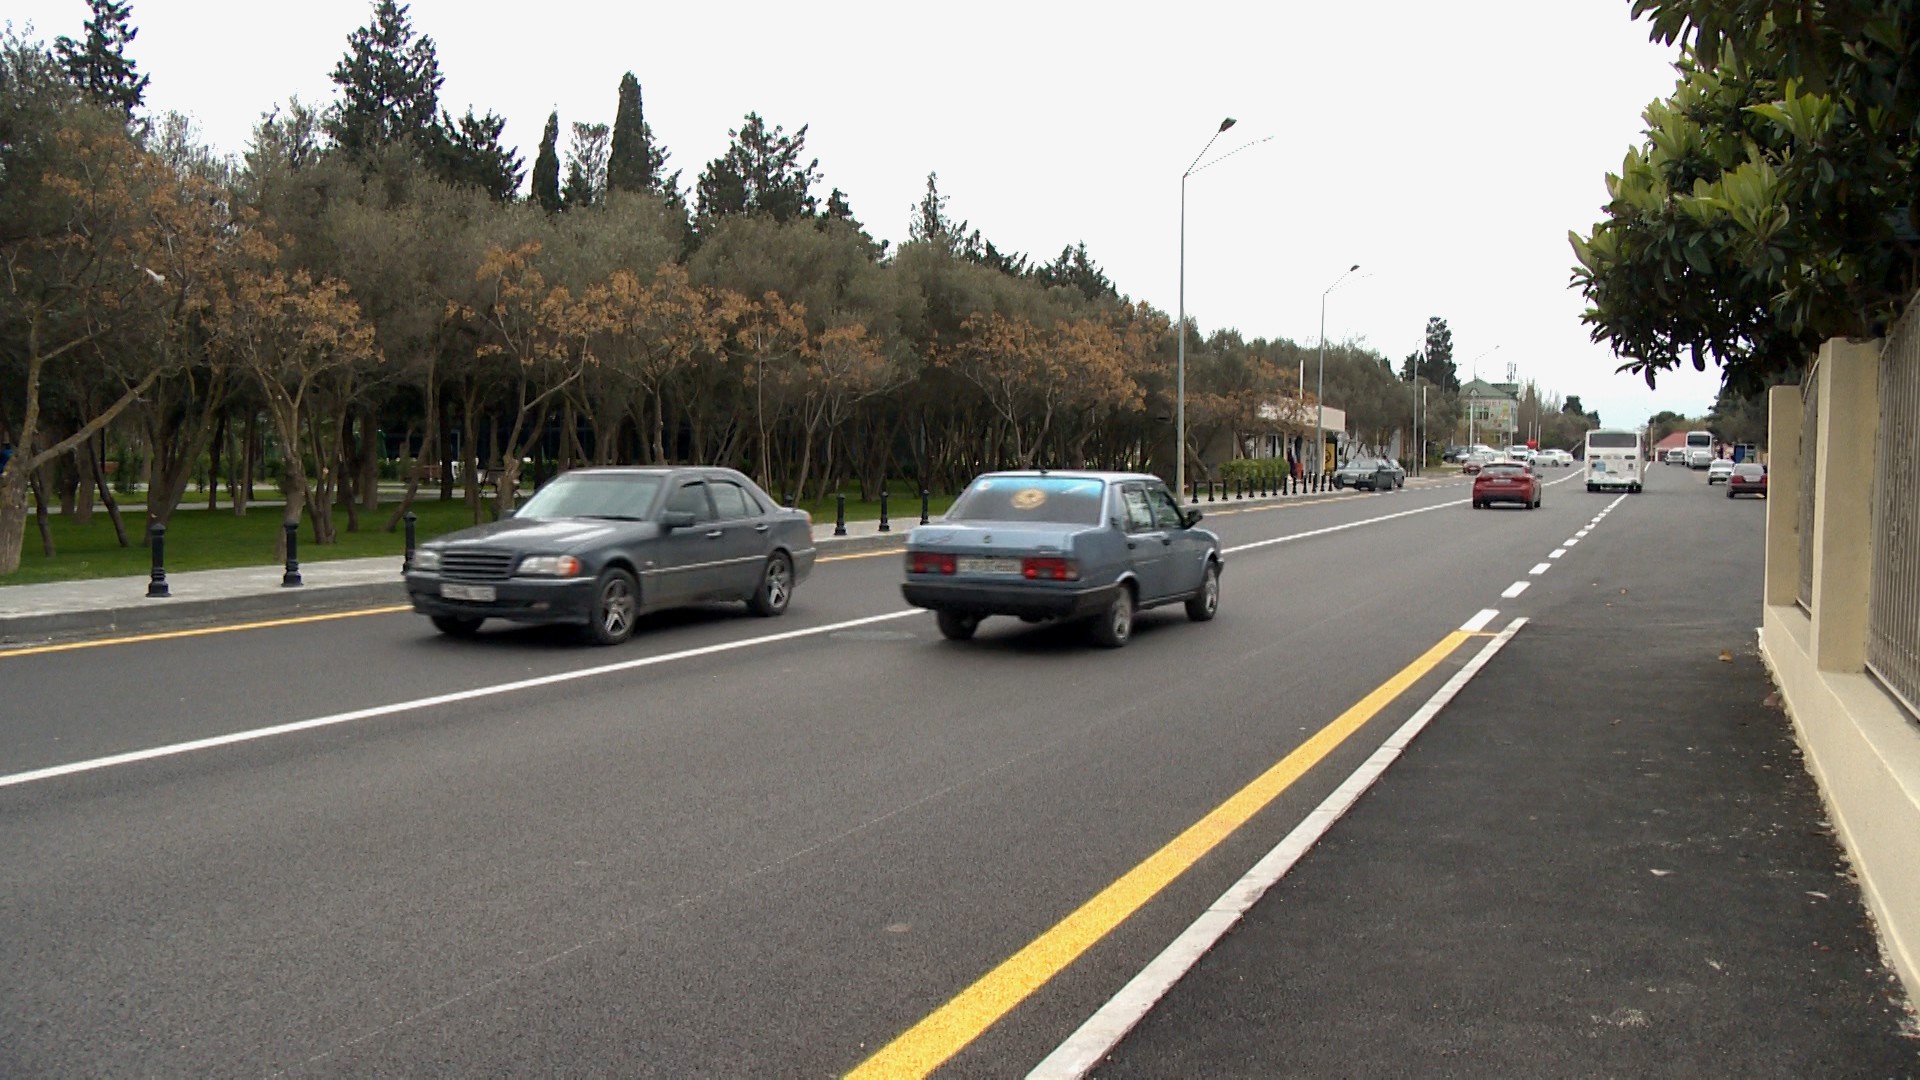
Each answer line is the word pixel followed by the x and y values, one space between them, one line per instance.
pixel 733 846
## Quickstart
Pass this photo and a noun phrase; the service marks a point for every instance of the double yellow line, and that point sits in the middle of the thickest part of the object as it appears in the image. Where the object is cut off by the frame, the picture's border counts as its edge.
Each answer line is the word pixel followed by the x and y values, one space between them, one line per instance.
pixel 929 1043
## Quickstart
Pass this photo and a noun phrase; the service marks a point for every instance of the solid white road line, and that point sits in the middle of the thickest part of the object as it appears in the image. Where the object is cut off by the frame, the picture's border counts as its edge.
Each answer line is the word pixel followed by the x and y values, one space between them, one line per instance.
pixel 1340 528
pixel 1096 1038
pixel 1541 568
pixel 176 749
pixel 1516 589
pixel 1479 622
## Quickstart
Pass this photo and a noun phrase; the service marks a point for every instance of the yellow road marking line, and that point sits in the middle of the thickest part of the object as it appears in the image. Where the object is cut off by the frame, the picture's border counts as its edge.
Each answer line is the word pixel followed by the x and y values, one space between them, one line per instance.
pixel 201 631
pixel 928 1044
pixel 862 554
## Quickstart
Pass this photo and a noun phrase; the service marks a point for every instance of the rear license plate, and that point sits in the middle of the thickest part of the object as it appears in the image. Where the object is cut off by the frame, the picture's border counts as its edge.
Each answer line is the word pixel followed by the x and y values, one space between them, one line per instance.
pixel 483 594
pixel 969 564
pixel 1599 466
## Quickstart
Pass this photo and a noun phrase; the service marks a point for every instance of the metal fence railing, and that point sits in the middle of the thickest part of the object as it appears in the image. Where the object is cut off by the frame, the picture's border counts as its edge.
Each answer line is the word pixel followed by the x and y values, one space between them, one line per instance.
pixel 1893 612
pixel 1809 461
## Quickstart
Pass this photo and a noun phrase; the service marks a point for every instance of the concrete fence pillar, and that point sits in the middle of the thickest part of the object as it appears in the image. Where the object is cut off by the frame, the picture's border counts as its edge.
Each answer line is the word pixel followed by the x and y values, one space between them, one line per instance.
pixel 1849 388
pixel 1785 410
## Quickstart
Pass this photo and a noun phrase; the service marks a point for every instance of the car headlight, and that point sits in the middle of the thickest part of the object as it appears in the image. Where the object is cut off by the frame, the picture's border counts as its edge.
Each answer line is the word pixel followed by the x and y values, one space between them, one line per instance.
pixel 426 559
pixel 550 566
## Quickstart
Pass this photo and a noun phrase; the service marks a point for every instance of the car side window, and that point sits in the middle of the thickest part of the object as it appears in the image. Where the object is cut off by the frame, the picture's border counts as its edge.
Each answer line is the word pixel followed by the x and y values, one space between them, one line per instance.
pixel 731 502
pixel 691 499
pixel 1166 512
pixel 1133 502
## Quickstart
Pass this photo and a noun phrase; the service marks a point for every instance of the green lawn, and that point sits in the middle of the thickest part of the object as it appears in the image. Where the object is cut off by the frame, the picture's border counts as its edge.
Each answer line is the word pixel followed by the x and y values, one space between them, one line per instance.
pixel 199 539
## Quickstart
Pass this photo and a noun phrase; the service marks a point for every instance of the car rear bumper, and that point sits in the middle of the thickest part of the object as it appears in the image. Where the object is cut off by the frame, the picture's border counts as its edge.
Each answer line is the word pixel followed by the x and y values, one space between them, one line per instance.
pixel 1041 602
pixel 527 600
pixel 1503 495
pixel 1746 489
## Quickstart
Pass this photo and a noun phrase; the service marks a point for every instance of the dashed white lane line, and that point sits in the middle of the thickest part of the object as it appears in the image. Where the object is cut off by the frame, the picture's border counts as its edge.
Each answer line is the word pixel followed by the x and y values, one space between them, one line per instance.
pixel 1516 589
pixel 1583 532
pixel 1571 542
pixel 1541 568
pixel 1095 1039
pixel 1556 553
pixel 1480 621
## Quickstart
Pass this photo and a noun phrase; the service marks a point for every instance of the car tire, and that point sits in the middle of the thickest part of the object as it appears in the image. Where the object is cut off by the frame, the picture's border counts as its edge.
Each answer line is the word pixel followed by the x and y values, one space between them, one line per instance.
pixel 1339 484
pixel 616 604
pixel 955 626
pixel 1203 605
pixel 775 590
pixel 1113 627
pixel 456 626
pixel 1729 493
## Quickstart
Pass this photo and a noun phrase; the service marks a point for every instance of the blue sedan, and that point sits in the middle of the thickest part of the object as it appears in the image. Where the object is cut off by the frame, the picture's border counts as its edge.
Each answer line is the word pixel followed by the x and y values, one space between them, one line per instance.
pixel 1063 545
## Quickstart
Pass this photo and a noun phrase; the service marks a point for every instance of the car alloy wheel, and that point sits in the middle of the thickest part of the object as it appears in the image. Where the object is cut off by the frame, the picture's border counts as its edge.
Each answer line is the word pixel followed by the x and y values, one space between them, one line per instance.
pixel 1205 603
pixel 1114 627
pixel 776 586
pixel 616 602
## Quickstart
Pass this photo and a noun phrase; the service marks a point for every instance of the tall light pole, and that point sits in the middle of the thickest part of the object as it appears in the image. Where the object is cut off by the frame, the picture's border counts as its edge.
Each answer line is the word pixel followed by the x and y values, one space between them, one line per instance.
pixel 1180 377
pixel 1320 380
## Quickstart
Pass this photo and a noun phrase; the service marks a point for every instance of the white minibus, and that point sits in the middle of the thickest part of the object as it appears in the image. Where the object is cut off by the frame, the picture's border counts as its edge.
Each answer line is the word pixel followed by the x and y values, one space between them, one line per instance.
pixel 1613 460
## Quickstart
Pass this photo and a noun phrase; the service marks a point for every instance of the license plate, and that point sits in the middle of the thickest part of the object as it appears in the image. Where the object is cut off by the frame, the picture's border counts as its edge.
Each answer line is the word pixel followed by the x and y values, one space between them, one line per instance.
pixel 971 564
pixel 1599 466
pixel 483 594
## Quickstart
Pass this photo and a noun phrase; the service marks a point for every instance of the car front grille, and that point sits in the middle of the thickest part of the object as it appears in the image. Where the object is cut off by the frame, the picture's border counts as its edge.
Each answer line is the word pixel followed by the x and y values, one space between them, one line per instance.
pixel 477 565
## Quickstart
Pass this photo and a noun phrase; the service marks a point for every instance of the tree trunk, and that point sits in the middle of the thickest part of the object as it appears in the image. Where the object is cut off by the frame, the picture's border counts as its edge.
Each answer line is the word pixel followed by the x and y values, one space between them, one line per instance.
pixel 84 464
pixel 13 513
pixel 371 451
pixel 213 461
pixel 106 495
pixel 38 482
pixel 429 452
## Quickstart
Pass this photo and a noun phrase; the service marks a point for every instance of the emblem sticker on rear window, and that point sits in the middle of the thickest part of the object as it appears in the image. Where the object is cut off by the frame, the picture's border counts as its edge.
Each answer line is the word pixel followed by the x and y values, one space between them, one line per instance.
pixel 1028 499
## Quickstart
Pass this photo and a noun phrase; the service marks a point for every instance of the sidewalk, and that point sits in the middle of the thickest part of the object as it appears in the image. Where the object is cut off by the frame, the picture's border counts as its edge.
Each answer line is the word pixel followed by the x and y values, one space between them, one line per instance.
pixel 66 609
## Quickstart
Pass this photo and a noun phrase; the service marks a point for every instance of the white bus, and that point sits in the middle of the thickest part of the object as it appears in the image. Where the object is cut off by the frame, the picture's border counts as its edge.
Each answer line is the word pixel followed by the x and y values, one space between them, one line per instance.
pixel 1614 460
pixel 1699 449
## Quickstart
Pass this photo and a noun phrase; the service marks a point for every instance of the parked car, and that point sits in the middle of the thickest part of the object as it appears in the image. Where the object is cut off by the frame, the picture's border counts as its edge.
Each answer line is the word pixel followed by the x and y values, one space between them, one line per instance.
pixel 1721 469
pixel 1507 482
pixel 1748 478
pixel 1557 458
pixel 1063 545
pixel 599 547
pixel 1453 455
pixel 1371 473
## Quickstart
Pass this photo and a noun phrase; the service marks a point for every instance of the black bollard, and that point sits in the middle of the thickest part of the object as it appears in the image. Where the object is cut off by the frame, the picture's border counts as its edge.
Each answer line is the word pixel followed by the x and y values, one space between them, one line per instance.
pixel 885 526
pixel 411 519
pixel 839 515
pixel 157 579
pixel 924 506
pixel 292 577
pixel 1209 491
pixel 1194 490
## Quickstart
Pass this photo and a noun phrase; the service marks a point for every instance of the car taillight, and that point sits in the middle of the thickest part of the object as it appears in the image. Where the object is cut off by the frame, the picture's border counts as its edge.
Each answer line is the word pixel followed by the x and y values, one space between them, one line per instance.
pixel 1049 570
pixel 929 562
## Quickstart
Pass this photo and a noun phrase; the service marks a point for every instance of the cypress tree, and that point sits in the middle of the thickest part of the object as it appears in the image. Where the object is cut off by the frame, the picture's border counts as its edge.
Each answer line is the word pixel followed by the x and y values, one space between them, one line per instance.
pixel 634 162
pixel 546 166
pixel 99 65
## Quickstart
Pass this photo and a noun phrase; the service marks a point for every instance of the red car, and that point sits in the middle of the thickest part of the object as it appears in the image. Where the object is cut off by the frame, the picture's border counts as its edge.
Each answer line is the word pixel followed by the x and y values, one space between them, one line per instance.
pixel 1508 482
pixel 1749 478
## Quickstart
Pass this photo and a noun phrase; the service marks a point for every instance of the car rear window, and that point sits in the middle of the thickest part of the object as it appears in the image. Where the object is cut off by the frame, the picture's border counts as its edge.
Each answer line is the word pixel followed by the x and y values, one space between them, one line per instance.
pixel 1057 500
pixel 1503 468
pixel 1749 472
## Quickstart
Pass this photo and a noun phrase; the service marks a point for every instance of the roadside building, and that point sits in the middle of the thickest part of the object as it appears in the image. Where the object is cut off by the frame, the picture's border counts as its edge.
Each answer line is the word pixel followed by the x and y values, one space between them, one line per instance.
pixel 1493 411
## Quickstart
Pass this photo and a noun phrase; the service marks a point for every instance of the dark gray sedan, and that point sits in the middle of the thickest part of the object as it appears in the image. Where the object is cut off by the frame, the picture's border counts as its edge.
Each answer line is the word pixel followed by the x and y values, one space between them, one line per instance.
pixel 599 547
pixel 1063 545
pixel 1371 473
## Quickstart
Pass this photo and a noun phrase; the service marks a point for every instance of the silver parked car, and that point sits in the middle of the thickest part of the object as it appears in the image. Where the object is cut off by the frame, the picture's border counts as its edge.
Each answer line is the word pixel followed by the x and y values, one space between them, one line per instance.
pixel 1063 545
pixel 600 547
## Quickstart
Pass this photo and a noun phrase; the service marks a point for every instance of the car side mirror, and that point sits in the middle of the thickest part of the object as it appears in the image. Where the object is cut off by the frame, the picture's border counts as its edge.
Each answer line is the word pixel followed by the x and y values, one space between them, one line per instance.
pixel 1193 517
pixel 676 519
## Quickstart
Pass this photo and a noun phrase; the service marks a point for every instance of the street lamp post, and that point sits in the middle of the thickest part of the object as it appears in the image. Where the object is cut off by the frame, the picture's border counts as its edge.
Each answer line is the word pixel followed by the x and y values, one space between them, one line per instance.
pixel 1320 380
pixel 1180 377
pixel 1474 366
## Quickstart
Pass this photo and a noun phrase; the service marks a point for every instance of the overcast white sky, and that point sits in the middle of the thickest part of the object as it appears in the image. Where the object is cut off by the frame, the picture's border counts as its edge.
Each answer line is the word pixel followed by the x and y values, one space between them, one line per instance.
pixel 1447 148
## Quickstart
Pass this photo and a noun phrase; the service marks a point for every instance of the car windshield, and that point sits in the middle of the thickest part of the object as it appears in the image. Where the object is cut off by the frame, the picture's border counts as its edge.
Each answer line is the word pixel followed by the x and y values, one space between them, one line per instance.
pixel 1612 440
pixel 619 496
pixel 1060 500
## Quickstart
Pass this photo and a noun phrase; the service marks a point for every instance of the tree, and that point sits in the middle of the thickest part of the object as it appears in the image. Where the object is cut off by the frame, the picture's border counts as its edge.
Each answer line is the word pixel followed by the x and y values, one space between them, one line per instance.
pixel 635 162
pixel 546 166
pixel 98 64
pixel 1075 269
pixel 472 155
pixel 586 167
pixel 761 173
pixel 389 84
pixel 1438 367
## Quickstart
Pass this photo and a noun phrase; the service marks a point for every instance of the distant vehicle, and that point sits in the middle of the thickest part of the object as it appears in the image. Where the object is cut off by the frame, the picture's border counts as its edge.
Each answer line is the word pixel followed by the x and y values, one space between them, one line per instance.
pixel 1721 469
pixel 1613 460
pixel 1556 458
pixel 1700 449
pixel 1749 478
pixel 1507 482
pixel 600 547
pixel 1454 454
pixel 1676 455
pixel 1371 473
pixel 1521 452
pixel 1063 545
pixel 1476 461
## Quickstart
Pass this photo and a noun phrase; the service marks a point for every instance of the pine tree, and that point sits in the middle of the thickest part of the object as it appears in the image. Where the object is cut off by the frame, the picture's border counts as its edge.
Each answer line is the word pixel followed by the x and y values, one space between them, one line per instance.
pixel 1439 369
pixel 761 173
pixel 1075 269
pixel 586 167
pixel 389 82
pixel 99 65
pixel 546 166
pixel 635 162
pixel 472 154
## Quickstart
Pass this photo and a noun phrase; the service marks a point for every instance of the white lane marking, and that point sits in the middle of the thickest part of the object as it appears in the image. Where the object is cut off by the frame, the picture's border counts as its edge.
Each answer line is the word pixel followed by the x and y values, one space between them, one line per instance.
pixel 175 749
pixel 1583 532
pixel 1556 553
pixel 1479 622
pixel 1516 589
pixel 1340 528
pixel 1541 568
pixel 1572 542
pixel 1096 1038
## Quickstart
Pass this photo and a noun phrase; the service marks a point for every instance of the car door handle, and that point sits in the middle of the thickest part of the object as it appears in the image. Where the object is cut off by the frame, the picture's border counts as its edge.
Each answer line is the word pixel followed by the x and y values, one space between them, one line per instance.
pixel 716 534
pixel 762 527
